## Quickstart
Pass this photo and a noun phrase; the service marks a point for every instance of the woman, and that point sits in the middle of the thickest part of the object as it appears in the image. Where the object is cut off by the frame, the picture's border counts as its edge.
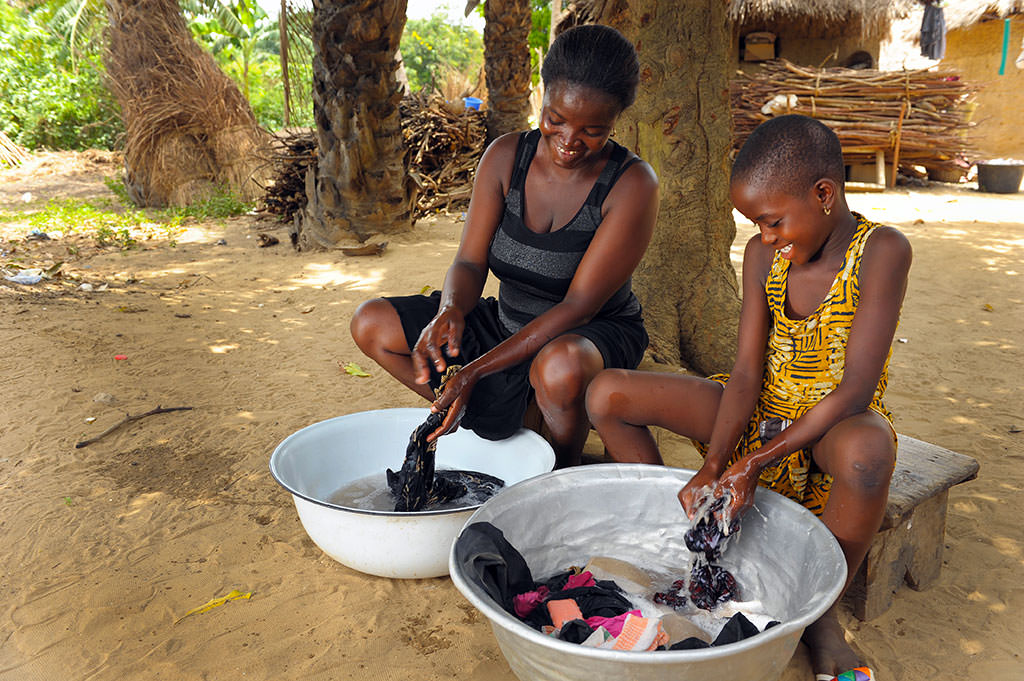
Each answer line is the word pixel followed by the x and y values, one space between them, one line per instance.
pixel 562 216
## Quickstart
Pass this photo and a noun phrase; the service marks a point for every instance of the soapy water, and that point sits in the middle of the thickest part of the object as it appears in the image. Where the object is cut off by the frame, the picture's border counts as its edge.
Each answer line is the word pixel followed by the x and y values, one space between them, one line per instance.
pixel 371 493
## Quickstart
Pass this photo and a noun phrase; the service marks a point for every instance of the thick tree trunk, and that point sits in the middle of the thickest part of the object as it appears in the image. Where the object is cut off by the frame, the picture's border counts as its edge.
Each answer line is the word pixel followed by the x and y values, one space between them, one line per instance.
pixel 507 65
pixel 681 125
pixel 360 186
pixel 189 132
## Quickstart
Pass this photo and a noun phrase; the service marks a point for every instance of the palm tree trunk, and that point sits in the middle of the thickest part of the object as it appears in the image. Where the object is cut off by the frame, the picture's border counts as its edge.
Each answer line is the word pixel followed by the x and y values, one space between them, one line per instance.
pixel 507 65
pixel 681 125
pixel 360 186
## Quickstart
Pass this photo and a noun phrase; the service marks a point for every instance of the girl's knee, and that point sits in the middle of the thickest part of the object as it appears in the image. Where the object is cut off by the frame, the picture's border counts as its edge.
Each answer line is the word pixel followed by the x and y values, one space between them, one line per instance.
pixel 864 456
pixel 599 398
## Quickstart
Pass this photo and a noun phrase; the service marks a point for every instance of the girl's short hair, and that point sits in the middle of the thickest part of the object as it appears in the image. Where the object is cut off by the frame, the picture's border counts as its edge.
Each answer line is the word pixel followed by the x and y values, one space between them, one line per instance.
pixel 790 153
pixel 596 56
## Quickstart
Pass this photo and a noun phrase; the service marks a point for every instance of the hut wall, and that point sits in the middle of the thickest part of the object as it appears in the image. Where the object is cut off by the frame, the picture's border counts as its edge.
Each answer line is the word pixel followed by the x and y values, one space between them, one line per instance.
pixel 797 47
pixel 975 52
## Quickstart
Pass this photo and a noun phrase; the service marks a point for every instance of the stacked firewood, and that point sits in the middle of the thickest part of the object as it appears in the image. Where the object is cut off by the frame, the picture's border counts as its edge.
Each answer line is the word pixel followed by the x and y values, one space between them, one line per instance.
pixel 443 144
pixel 293 152
pixel 916 117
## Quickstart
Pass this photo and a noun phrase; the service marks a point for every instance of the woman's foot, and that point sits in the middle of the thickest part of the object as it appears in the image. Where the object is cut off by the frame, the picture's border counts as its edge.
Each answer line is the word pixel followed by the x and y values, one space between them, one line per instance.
pixel 830 653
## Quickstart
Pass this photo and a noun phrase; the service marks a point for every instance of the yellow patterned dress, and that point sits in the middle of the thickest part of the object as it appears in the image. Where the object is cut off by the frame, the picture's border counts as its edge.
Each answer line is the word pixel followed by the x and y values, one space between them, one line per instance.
pixel 804 362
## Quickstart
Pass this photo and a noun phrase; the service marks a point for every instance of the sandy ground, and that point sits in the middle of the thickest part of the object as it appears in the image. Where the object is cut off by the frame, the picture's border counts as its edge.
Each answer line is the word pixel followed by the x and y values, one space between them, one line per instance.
pixel 105 547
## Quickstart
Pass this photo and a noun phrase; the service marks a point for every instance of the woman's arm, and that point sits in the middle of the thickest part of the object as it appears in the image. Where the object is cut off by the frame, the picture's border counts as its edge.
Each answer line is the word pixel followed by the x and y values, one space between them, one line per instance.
pixel 630 212
pixel 464 282
pixel 883 283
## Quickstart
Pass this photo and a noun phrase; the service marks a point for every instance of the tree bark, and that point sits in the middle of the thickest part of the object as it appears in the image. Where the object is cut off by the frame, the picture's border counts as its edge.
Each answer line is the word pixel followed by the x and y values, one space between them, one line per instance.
pixel 360 187
pixel 681 125
pixel 507 65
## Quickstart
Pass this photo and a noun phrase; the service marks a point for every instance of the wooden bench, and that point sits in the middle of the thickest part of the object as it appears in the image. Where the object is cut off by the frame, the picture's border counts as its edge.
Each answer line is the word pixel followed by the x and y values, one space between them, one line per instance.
pixel 908 546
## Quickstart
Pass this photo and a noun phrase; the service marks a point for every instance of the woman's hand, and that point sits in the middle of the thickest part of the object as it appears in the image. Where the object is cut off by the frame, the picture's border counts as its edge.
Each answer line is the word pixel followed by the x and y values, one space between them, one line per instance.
pixel 445 328
pixel 454 398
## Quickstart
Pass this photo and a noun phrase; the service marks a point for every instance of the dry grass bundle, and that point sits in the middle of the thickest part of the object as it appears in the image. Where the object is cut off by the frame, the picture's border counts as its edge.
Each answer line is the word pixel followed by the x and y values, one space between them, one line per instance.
pixel 188 129
pixel 915 117
pixel 11 154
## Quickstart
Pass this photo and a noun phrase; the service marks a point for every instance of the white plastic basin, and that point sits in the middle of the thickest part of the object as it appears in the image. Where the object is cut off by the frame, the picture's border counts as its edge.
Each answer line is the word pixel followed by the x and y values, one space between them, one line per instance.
pixel 316 461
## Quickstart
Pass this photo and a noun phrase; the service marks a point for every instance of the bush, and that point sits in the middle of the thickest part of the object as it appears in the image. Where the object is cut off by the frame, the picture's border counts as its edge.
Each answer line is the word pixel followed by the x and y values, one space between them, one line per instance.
pixel 48 102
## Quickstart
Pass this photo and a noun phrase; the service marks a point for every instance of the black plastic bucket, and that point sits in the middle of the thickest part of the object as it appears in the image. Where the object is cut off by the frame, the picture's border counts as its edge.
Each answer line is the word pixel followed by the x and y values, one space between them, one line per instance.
pixel 1000 178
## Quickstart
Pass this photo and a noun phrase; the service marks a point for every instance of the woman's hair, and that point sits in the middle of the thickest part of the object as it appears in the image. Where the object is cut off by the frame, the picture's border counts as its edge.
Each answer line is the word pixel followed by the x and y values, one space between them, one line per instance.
pixel 790 153
pixel 595 56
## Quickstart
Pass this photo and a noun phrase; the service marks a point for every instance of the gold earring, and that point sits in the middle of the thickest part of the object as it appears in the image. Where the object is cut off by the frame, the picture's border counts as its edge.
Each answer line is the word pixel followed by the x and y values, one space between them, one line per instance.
pixel 828 211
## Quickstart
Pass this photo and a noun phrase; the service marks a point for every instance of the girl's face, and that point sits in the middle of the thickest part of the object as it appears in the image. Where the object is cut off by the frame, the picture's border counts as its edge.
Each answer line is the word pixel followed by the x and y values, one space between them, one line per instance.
pixel 795 226
pixel 575 123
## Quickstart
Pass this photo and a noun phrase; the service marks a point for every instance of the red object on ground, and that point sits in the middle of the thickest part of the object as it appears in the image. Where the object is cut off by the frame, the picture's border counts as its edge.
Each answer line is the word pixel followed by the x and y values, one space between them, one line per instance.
pixel 120 356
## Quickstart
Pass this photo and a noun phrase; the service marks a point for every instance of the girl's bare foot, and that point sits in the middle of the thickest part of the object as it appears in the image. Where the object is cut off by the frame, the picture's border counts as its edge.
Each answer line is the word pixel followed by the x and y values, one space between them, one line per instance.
pixel 830 653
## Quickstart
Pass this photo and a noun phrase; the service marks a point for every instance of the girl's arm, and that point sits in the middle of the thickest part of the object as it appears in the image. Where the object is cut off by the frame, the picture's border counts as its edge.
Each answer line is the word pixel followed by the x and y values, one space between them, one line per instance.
pixel 883 283
pixel 630 212
pixel 744 385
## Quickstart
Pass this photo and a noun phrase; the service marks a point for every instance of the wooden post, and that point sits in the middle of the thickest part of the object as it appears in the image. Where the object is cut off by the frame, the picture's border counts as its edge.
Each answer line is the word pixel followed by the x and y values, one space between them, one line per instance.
pixel 896 152
pixel 880 167
pixel 282 27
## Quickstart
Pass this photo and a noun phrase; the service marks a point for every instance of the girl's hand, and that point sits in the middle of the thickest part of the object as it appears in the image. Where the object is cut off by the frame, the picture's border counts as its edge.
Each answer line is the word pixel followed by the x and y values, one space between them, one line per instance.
pixel 740 482
pixel 445 328
pixel 454 399
pixel 697 488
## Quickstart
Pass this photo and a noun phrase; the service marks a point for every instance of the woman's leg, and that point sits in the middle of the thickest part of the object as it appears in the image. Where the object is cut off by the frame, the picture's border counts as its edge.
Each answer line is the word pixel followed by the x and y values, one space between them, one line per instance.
pixel 622 404
pixel 559 375
pixel 377 330
pixel 859 453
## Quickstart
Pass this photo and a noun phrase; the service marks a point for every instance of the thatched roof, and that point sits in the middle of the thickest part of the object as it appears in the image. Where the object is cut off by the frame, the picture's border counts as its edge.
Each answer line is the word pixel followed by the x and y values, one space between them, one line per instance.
pixel 870 12
pixel 963 13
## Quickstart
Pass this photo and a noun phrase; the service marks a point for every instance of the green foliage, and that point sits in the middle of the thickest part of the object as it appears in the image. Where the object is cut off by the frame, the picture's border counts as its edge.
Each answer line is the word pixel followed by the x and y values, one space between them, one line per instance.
pixel 430 45
pixel 50 101
pixel 110 223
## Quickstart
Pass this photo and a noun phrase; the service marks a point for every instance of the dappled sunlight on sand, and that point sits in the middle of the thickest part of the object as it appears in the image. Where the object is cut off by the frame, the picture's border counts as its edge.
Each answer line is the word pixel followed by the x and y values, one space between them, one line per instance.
pixel 332 274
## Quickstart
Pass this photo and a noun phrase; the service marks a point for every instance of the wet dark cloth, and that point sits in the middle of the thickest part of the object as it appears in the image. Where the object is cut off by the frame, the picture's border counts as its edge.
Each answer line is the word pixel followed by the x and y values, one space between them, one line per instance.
pixel 498 402
pixel 933 32
pixel 603 600
pixel 492 563
pixel 575 631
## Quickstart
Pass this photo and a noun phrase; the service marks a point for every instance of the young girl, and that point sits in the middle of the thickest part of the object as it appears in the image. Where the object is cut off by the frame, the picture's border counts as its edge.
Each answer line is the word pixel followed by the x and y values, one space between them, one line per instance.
pixel 801 411
pixel 562 216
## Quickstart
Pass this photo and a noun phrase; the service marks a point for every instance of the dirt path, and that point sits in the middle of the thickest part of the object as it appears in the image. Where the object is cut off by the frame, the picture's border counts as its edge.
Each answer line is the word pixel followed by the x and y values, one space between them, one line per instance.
pixel 106 547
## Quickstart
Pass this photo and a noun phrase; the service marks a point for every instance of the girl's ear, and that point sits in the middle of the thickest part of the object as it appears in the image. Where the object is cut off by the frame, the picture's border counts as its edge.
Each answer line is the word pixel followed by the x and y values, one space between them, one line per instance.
pixel 826 191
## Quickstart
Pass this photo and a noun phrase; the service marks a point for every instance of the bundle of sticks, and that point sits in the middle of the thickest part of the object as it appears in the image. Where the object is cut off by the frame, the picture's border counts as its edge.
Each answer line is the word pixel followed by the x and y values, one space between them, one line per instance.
pixel 293 151
pixel 918 117
pixel 443 144
pixel 10 153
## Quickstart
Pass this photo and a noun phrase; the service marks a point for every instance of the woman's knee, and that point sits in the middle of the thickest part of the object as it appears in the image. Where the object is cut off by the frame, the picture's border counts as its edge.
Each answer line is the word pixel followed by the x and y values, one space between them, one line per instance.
pixel 369 323
pixel 562 370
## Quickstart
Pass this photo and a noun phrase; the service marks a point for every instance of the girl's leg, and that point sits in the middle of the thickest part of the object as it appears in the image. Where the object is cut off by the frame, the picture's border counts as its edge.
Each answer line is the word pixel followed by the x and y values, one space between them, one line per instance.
pixel 559 375
pixel 622 404
pixel 377 330
pixel 859 453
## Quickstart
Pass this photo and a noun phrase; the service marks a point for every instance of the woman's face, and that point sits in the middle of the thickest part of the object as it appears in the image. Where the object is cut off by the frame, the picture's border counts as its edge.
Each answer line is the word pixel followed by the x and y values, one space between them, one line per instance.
pixel 575 123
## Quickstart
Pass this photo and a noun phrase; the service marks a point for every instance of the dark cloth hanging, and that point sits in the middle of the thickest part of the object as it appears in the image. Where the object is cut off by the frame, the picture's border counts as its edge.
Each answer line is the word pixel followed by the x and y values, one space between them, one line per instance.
pixel 933 32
